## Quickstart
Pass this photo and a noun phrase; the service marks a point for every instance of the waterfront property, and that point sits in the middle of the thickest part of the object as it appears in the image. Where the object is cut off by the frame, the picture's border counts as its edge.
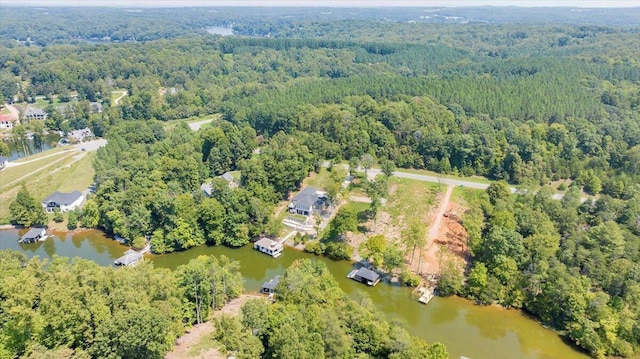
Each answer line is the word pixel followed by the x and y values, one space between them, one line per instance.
pixel 130 258
pixel 364 275
pixel 63 202
pixel 269 246
pixel 307 201
pixel 34 235
pixel 270 286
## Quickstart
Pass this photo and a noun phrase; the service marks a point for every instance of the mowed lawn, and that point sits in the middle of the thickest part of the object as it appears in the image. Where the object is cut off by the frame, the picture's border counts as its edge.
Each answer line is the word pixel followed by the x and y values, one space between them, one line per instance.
pixel 67 175
pixel 11 174
pixel 409 197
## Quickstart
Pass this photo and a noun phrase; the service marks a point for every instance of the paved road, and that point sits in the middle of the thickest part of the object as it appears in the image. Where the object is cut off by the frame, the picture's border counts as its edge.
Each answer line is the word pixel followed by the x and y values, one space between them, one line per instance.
pixel 120 97
pixel 92 145
pixel 196 125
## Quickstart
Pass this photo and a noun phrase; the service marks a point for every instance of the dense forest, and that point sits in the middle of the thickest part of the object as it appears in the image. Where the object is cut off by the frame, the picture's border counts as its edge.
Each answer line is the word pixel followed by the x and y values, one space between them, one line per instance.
pixel 525 104
pixel 574 265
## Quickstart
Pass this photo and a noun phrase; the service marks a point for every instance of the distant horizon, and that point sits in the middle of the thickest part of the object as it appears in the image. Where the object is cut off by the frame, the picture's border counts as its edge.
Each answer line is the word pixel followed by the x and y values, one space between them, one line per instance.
pixel 601 4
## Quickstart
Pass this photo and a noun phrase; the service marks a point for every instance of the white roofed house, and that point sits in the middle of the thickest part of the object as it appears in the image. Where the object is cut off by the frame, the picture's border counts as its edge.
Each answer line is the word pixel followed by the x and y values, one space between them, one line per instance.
pixel 63 202
pixel 269 246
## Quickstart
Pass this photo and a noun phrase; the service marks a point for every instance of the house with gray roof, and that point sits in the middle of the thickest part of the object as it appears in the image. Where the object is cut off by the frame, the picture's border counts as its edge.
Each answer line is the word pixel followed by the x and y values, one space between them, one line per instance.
pixel 307 201
pixel 270 286
pixel 63 202
pixel 130 258
pixel 34 113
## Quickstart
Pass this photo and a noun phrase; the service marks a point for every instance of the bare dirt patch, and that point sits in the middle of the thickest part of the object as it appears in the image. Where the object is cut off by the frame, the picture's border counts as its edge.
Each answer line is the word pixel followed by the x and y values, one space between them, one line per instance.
pixel 195 335
pixel 450 241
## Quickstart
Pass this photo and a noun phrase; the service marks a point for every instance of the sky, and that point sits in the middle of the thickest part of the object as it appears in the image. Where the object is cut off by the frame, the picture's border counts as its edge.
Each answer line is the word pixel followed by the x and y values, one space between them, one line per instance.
pixel 328 3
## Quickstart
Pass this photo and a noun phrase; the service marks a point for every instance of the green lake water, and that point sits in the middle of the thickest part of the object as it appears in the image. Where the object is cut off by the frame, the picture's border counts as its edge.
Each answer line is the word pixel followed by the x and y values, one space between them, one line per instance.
pixel 477 332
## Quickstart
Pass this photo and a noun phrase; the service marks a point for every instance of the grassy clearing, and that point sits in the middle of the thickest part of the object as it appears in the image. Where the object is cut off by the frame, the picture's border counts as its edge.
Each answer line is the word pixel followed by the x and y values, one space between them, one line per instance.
pixel 320 180
pixel 205 344
pixel 5 111
pixel 67 175
pixel 467 196
pixel 410 197
pixel 11 174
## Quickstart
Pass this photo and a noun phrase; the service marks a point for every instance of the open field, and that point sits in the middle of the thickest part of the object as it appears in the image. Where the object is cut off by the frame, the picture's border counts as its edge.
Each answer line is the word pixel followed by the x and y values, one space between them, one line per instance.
pixel 74 171
pixel 14 173
pixel 43 154
pixel 320 180
pixel 5 111
pixel 407 196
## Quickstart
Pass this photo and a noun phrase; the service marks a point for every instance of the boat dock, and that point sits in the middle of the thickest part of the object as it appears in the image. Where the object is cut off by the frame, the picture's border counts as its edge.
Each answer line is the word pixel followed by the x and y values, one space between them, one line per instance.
pixel 425 294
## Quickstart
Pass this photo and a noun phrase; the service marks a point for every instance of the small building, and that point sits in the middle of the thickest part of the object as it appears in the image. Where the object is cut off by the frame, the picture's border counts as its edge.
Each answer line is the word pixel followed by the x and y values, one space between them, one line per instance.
pixel 34 235
pixel 130 258
pixel 269 246
pixel 34 113
pixel 230 180
pixel 4 161
pixel 81 134
pixel 63 202
pixel 364 275
pixel 207 188
pixel 307 201
pixel 6 121
pixel 96 107
pixel 270 286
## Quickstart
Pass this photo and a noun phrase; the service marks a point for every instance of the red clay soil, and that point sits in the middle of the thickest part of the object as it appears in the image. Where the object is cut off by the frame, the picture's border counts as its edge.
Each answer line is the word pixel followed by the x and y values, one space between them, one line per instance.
pixel 446 238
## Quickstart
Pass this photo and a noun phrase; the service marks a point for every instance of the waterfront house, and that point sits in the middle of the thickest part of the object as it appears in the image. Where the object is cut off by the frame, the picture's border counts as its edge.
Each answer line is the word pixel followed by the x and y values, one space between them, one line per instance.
pixel 364 275
pixel 63 202
pixel 81 134
pixel 4 161
pixel 33 235
pixel 270 286
pixel 130 258
pixel 307 201
pixel 269 246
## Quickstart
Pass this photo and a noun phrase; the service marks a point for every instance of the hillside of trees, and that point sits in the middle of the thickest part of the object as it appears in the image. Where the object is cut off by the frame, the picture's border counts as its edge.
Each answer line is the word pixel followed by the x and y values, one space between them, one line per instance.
pixel 573 265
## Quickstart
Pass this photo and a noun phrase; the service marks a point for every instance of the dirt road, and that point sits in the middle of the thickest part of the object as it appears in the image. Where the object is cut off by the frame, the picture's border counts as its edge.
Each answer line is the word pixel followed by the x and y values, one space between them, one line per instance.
pixel 435 224
pixel 201 332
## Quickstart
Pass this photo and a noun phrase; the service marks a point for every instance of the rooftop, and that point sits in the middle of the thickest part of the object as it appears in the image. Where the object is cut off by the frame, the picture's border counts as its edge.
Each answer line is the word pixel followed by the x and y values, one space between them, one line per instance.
pixel 130 257
pixel 33 233
pixel 368 274
pixel 267 243
pixel 63 198
pixel 271 285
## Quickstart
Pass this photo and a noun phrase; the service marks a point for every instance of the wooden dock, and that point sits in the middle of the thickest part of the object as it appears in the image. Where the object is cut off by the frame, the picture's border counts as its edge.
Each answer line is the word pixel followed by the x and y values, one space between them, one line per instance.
pixel 425 294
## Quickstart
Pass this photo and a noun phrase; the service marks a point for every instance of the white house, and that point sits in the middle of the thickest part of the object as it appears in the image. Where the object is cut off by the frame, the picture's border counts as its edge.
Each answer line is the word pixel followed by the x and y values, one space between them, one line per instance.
pixel 269 246
pixel 63 202
pixel 6 121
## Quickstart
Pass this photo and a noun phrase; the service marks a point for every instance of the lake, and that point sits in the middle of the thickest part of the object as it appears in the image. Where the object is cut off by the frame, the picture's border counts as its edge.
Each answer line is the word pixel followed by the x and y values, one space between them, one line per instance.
pixel 50 141
pixel 220 30
pixel 476 332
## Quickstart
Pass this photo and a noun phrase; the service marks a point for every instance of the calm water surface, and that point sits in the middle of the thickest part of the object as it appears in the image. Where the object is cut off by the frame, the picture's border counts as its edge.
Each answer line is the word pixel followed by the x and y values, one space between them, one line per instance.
pixel 466 329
